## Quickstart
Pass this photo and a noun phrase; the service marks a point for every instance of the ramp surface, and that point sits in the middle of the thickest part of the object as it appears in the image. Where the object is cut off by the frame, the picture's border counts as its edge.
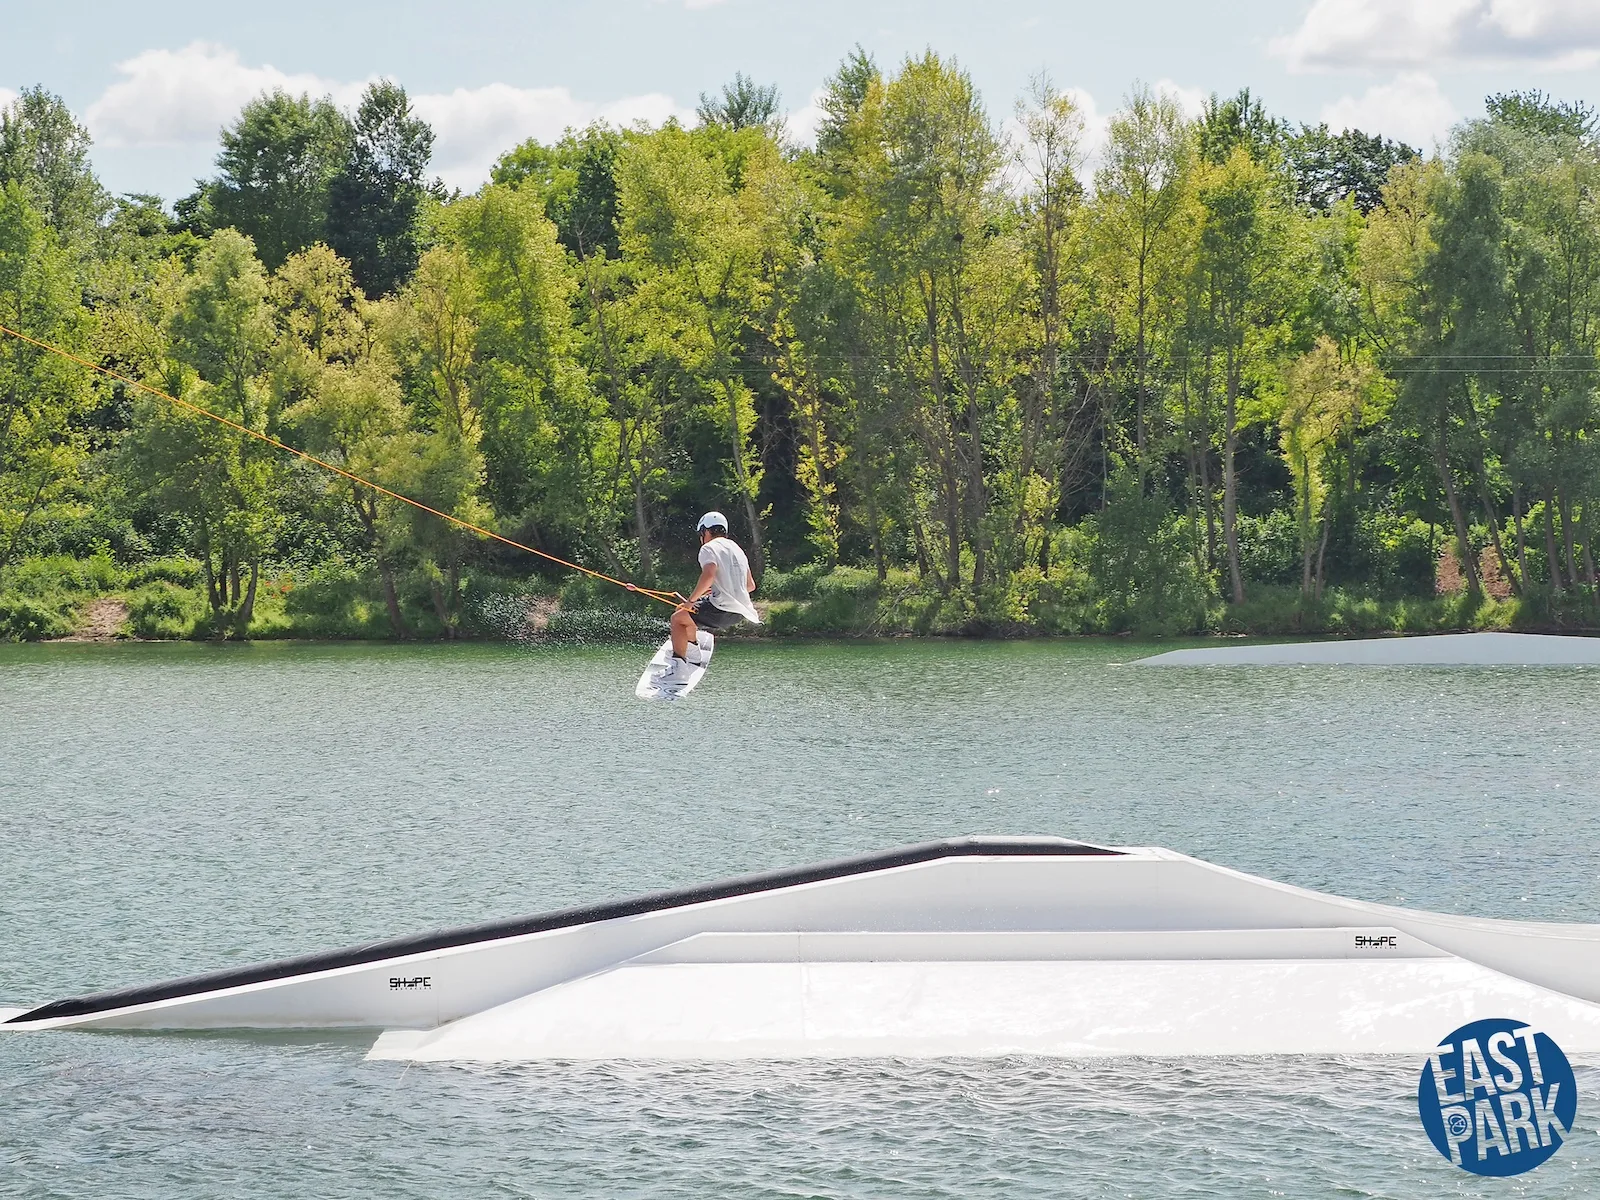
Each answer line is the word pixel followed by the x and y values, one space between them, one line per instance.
pixel 1442 650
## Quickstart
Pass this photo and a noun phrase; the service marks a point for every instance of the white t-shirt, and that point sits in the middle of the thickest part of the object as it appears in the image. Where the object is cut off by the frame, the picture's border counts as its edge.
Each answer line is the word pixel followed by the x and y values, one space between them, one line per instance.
pixel 727 589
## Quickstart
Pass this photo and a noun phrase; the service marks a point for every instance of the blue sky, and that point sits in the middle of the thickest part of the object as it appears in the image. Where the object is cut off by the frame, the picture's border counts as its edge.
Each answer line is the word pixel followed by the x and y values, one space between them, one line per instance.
pixel 154 82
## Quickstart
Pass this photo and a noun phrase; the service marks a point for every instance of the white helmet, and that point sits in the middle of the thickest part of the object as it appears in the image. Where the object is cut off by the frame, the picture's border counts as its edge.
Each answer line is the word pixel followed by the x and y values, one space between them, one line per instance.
pixel 712 520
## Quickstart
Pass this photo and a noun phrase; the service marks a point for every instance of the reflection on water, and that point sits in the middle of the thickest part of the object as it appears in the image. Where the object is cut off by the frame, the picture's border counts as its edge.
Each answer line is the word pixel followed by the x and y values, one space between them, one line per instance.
pixel 172 808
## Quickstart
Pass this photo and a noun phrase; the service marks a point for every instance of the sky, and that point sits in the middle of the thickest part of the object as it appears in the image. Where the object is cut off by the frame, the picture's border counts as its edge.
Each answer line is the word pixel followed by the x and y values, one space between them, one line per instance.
pixel 154 82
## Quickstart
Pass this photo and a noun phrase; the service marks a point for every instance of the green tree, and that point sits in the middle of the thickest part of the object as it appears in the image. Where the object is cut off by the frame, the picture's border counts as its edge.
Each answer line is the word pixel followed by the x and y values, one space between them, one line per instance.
pixel 694 240
pixel 336 380
pixel 212 334
pixel 1050 154
pixel 1239 122
pixel 375 200
pixel 1325 396
pixel 920 226
pixel 275 168
pixel 1139 212
pixel 1240 268
pixel 1330 166
pixel 1462 327
pixel 1536 113
pixel 43 397
pixel 843 100
pixel 1535 410
pixel 435 333
pixel 576 180
pixel 44 150
pixel 743 104
pixel 546 458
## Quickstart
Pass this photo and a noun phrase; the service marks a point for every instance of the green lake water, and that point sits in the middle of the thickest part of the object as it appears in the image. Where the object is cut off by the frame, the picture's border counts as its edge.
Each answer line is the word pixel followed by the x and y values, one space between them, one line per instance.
pixel 166 809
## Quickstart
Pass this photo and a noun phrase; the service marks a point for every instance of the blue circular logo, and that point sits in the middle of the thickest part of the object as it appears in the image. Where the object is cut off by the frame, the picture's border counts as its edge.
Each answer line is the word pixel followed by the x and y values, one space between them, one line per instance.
pixel 1497 1097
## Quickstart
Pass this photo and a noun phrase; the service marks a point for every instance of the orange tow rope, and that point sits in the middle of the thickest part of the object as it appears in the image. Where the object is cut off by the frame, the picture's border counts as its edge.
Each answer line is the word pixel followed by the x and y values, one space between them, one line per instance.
pixel 671 598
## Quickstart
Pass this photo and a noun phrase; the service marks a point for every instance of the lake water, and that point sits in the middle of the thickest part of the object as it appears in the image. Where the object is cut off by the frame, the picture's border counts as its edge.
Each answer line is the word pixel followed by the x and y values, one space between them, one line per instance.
pixel 172 808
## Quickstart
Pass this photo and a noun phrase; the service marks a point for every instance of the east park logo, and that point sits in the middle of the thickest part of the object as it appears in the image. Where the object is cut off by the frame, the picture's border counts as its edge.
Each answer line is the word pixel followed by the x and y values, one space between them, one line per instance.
pixel 1497 1097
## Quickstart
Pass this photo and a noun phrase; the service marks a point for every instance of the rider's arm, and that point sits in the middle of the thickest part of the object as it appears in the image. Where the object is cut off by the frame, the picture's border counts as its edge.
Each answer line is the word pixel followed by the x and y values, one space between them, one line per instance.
pixel 708 575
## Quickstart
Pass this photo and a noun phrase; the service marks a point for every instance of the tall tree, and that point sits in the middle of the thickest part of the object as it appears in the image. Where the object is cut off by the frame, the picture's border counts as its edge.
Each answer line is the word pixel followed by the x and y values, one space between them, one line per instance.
pixel 44 150
pixel 1139 198
pixel 335 378
pixel 576 181
pixel 1536 113
pixel 42 396
pixel 375 200
pixel 1240 265
pixel 743 104
pixel 1540 427
pixel 277 162
pixel 541 427
pixel 1324 401
pixel 1466 325
pixel 1239 121
pixel 927 201
pixel 843 98
pixel 213 345
pixel 697 238
pixel 1330 166
pixel 1050 154
pixel 436 338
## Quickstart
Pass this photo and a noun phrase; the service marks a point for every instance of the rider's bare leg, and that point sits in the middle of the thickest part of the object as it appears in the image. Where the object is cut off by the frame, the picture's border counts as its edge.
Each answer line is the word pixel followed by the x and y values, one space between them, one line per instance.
pixel 683 632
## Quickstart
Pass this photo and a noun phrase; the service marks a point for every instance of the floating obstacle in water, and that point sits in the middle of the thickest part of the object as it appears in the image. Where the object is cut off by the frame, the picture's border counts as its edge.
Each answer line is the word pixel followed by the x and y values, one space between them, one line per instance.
pixel 1439 650
pixel 972 947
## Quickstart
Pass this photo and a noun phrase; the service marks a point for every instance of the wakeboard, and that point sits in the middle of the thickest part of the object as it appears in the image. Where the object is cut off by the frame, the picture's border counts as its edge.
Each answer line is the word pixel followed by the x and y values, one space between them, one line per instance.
pixel 651 685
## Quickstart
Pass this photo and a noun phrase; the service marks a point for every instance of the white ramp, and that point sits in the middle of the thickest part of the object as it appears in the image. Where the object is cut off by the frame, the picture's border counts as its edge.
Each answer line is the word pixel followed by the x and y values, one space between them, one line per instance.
pixel 971 947
pixel 1442 650
pixel 1324 1000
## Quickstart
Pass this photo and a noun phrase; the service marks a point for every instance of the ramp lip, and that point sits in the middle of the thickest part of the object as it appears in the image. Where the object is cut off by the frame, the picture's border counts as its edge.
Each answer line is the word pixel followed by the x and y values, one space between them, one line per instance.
pixel 489 931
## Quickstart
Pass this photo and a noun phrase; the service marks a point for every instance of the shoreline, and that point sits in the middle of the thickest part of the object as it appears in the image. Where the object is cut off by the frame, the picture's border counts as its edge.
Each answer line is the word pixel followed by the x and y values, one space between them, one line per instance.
pixel 98 601
pixel 1128 637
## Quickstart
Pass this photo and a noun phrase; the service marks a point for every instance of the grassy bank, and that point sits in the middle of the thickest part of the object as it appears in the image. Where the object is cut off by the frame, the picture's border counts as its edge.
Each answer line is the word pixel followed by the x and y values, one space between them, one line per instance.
pixel 56 597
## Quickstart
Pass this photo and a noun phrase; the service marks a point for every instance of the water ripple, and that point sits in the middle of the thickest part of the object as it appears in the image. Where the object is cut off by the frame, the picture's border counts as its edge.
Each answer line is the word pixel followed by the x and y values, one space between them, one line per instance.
pixel 169 809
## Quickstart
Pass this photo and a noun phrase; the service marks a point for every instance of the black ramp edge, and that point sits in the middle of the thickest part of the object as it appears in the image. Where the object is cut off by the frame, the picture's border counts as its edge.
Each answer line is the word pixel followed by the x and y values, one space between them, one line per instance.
pixel 488 931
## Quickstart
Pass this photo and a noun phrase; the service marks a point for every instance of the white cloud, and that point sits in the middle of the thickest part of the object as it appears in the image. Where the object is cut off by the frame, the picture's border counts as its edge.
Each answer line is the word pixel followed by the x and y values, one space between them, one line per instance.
pixel 178 97
pixel 184 97
pixel 1095 132
pixel 1411 108
pixel 7 97
pixel 1558 34
pixel 1191 101
pixel 1022 163
pixel 474 126
pixel 801 124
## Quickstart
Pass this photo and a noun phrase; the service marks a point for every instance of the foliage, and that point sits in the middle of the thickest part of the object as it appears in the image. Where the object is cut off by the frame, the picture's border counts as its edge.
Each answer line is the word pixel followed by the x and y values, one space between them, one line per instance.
pixel 743 104
pixel 43 398
pixel 376 198
pixel 1245 376
pixel 45 152
pixel 1329 167
pixel 1143 565
pixel 275 168
pixel 162 609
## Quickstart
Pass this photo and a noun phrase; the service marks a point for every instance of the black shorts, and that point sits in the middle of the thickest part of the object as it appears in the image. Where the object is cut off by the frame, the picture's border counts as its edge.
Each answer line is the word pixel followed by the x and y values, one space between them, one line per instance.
pixel 708 616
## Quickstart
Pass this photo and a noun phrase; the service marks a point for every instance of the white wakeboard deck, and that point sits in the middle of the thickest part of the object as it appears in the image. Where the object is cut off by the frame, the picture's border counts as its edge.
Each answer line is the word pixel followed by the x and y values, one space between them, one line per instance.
pixel 650 686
